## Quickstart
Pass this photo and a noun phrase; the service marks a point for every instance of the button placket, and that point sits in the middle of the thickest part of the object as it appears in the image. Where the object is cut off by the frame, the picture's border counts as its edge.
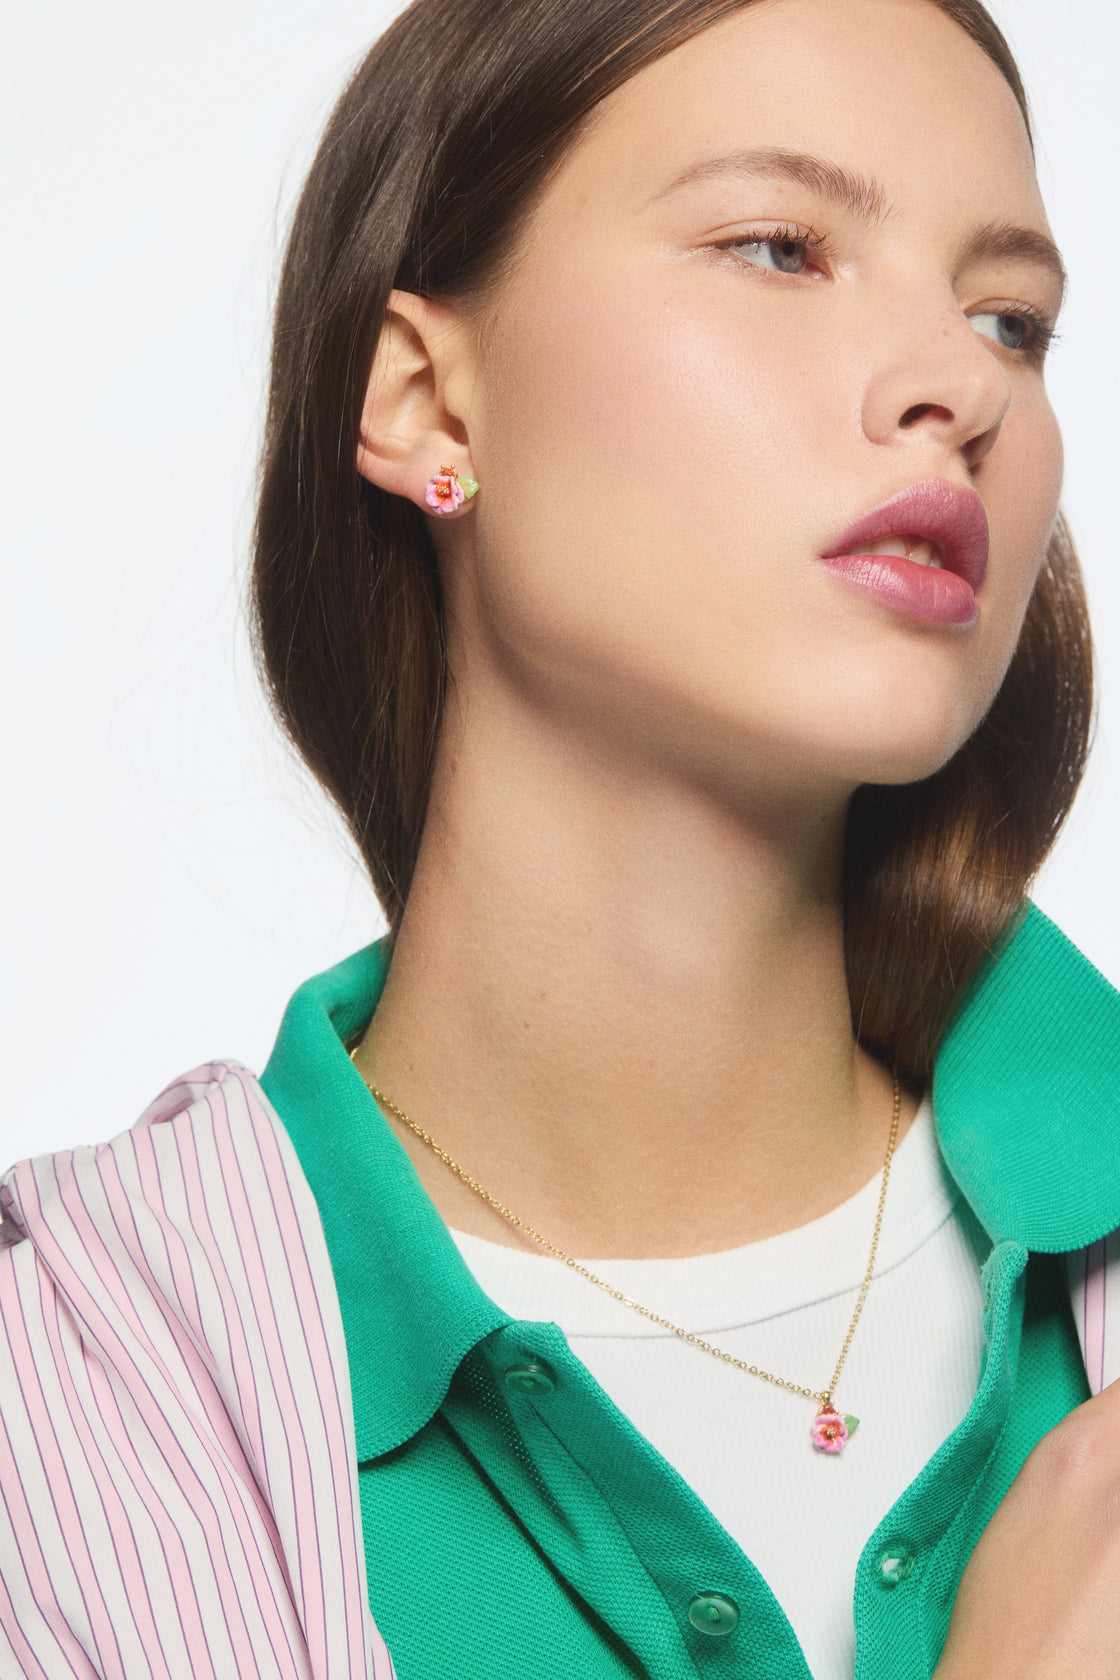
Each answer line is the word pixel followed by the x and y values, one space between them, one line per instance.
pixel 573 1447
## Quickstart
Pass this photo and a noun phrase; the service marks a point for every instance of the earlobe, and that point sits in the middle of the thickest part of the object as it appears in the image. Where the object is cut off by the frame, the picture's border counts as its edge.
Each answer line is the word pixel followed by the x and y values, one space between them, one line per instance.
pixel 412 423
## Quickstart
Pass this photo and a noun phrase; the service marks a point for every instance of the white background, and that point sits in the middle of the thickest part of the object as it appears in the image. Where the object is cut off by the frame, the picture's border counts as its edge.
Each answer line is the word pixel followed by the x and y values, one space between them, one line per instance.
pixel 169 875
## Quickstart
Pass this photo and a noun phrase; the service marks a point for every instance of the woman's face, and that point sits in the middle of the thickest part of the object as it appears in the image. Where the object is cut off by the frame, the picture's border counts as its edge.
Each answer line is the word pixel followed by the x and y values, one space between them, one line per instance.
pixel 794 269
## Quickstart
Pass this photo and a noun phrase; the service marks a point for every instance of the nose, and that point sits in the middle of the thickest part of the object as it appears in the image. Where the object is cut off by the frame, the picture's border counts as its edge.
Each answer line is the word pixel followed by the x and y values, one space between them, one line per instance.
pixel 936 381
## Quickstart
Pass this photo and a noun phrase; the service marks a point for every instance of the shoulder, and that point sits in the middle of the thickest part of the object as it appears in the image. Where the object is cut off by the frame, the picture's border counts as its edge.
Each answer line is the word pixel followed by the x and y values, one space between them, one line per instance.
pixel 175 1427
pixel 1039 1015
pixel 209 1126
pixel 168 1231
pixel 1026 1091
pixel 1027 1098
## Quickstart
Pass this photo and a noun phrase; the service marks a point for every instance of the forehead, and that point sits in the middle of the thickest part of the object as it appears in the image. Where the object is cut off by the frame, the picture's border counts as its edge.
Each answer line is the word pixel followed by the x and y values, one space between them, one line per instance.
pixel 892 90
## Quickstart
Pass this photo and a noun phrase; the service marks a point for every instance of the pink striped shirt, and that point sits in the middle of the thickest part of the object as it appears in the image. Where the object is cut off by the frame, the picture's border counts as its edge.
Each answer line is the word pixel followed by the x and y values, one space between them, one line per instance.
pixel 178 1478
pixel 178 1482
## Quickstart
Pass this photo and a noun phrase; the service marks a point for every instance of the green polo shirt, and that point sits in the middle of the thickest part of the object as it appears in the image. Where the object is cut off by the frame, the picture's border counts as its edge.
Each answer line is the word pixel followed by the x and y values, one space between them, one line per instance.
pixel 516 1524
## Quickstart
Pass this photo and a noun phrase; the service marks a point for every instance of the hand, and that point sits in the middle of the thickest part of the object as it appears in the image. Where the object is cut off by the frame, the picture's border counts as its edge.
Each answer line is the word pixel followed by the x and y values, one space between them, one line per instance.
pixel 1040 1598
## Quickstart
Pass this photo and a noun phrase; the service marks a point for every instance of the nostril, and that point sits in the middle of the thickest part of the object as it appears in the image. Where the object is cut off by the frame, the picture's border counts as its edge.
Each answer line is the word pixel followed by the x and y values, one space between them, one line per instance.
pixel 924 411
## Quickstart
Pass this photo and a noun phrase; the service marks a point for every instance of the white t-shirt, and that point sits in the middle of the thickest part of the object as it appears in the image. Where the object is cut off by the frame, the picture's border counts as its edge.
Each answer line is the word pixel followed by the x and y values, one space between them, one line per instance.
pixel 784 1304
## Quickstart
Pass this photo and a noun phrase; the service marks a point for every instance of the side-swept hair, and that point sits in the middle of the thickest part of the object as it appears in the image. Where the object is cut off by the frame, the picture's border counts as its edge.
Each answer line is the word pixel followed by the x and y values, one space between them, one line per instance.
pixel 431 160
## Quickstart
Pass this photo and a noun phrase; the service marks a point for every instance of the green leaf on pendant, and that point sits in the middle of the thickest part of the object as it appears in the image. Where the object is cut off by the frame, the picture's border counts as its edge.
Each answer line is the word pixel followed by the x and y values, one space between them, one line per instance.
pixel 851 1423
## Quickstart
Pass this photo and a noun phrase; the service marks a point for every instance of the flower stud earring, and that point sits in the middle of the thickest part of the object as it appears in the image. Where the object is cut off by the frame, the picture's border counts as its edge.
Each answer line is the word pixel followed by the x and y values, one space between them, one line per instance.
pixel 447 492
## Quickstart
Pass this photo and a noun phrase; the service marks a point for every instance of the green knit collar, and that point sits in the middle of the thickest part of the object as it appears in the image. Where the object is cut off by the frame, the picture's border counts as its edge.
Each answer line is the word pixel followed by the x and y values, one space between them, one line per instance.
pixel 1026 1097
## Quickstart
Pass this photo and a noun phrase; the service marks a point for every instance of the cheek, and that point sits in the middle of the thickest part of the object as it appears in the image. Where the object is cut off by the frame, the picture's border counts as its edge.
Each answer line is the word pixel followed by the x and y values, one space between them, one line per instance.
pixel 1022 491
pixel 634 459
pixel 1020 482
pixel 621 372
pixel 649 429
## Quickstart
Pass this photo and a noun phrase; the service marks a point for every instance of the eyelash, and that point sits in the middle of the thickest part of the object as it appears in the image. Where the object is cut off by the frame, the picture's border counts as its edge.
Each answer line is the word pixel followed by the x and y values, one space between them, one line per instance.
pixel 1041 336
pixel 785 234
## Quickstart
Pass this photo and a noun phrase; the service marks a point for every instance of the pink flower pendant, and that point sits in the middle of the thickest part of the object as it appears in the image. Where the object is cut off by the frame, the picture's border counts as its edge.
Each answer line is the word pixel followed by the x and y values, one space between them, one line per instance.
pixel 831 1429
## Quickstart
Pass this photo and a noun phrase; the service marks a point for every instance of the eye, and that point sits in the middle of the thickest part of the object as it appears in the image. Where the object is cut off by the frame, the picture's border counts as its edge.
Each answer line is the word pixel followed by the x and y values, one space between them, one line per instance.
pixel 778 249
pixel 782 253
pixel 1013 329
pixel 781 248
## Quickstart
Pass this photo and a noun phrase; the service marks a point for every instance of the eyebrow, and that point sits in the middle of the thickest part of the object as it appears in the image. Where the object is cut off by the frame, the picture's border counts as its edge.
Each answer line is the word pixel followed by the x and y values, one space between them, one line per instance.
pixel 865 198
pixel 1017 244
pixel 855 193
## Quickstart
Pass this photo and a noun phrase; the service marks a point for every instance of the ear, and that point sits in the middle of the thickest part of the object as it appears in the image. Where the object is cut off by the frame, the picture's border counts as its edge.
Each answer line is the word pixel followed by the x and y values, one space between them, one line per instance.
pixel 417 399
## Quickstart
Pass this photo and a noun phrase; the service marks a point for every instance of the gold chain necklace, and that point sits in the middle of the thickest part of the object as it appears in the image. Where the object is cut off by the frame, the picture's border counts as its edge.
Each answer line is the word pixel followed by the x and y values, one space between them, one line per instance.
pixel 830 1429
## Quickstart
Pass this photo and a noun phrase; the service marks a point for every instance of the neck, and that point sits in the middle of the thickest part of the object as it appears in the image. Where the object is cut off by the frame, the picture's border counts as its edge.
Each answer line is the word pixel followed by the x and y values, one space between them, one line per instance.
pixel 619 1002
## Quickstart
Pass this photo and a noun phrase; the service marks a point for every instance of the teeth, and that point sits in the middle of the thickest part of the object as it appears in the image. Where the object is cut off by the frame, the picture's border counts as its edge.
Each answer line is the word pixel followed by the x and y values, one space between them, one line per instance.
pixel 907 548
pixel 890 545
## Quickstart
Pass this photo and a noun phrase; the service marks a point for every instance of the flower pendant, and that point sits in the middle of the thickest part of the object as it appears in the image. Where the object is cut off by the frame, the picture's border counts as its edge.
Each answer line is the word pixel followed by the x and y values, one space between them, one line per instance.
pixel 831 1429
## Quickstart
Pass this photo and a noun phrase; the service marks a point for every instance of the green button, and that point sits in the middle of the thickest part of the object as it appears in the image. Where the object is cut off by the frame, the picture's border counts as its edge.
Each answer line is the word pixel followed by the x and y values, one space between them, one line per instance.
pixel 895 1564
pixel 714 1614
pixel 532 1377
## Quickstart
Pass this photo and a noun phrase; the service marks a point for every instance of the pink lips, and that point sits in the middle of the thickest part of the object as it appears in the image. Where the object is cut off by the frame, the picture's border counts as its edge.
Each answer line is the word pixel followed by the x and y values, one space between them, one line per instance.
pixel 934 511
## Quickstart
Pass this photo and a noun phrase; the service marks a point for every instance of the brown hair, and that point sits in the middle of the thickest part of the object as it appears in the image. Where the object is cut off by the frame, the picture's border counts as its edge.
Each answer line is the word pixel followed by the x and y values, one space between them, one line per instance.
pixel 431 159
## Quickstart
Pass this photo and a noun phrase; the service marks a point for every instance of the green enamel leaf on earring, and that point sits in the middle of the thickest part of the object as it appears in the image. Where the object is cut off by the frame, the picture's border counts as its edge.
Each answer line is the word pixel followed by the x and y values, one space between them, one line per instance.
pixel 851 1424
pixel 470 487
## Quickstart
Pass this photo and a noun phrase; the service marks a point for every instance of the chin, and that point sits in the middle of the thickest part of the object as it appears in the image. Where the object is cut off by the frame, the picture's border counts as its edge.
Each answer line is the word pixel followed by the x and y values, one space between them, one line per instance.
pixel 902 731
pixel 885 758
pixel 896 763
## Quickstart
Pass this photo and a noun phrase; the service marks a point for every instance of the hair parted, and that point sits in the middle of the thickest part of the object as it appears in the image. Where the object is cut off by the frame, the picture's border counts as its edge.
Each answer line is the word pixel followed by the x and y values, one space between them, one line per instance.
pixel 452 124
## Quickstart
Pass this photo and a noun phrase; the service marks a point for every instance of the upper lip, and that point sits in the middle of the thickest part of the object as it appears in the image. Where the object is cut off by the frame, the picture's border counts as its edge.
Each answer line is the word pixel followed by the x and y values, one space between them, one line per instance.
pixel 934 511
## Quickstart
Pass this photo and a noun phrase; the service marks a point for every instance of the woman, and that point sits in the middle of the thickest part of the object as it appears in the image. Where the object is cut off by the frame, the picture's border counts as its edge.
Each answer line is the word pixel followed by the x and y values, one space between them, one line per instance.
pixel 657 559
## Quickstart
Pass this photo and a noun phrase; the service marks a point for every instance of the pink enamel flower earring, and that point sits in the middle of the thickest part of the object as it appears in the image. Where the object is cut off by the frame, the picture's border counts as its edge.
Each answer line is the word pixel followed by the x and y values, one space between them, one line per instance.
pixel 447 492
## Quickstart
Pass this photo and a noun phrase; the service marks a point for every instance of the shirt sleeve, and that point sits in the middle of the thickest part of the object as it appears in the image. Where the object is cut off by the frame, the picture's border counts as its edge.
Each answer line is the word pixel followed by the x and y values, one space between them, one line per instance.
pixel 178 1485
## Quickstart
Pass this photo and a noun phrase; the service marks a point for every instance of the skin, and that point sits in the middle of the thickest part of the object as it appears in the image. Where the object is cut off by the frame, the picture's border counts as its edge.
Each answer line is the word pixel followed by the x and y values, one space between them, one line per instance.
pixel 661 703
pixel 618 994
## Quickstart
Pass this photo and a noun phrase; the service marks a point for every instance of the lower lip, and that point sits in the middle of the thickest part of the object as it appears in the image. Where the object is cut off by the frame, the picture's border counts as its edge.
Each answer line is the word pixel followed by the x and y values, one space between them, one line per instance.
pixel 928 593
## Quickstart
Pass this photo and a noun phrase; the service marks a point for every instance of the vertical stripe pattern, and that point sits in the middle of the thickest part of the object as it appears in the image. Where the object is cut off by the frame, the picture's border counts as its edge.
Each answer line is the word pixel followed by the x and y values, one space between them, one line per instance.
pixel 178 1484
pixel 1094 1287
